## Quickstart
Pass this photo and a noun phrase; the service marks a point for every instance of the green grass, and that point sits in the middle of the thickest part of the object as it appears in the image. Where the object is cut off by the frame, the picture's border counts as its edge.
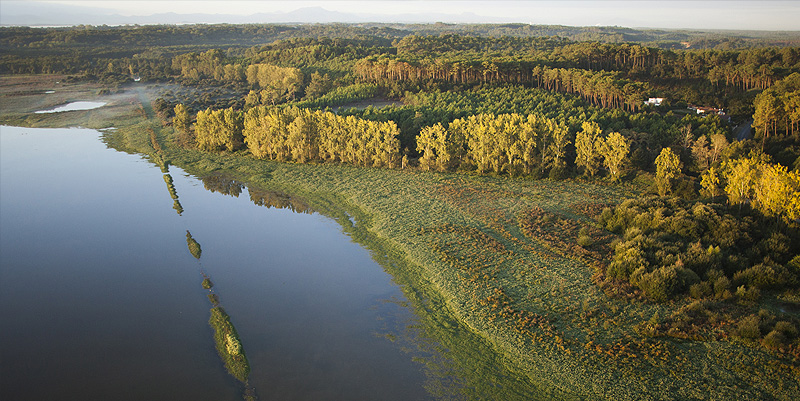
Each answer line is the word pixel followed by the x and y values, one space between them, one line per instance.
pixel 493 290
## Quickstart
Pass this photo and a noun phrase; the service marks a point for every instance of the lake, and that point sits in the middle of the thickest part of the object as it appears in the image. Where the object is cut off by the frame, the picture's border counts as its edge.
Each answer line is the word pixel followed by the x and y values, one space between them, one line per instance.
pixel 102 297
pixel 103 300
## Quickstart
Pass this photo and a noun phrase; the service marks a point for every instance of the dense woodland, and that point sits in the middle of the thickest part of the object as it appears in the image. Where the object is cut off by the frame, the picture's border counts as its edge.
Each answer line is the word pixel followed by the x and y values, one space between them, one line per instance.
pixel 510 100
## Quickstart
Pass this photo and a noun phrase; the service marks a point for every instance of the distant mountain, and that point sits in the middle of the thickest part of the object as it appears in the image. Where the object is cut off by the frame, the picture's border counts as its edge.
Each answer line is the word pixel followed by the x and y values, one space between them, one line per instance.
pixel 38 14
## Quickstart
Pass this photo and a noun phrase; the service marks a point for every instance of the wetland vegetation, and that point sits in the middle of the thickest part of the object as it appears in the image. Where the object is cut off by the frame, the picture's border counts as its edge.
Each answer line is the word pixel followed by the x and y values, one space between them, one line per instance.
pixel 597 247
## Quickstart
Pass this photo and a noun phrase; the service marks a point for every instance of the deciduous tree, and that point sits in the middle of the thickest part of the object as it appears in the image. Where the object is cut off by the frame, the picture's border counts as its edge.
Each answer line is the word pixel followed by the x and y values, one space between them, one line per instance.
pixel 614 150
pixel 182 121
pixel 668 167
pixel 587 152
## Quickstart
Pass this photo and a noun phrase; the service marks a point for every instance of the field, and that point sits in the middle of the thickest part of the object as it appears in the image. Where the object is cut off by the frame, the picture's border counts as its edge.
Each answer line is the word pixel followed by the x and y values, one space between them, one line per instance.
pixel 499 254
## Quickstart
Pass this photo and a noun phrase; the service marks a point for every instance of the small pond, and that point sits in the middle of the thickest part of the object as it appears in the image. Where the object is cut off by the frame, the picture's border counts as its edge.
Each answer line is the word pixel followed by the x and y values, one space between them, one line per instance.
pixel 73 106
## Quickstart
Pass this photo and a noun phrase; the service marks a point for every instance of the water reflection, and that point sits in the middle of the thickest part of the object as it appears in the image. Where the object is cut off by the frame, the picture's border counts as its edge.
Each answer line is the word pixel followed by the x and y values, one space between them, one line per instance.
pixel 279 200
pixel 224 184
pixel 176 204
pixel 97 297
pixel 226 338
pixel 194 246
pixel 458 364
pixel 221 183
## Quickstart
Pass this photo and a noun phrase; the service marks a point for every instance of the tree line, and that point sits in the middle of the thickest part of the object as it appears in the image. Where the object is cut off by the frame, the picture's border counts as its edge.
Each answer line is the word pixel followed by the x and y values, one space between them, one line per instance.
pixel 301 135
pixel 294 134
pixel 605 89
pixel 516 144
pixel 750 68
pixel 777 109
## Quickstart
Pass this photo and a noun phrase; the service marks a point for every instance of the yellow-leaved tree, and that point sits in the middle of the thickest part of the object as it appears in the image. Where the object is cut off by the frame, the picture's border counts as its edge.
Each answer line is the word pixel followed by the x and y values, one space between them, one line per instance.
pixel 614 150
pixel 710 183
pixel 740 176
pixel 586 148
pixel 769 188
pixel 182 121
pixel 777 191
pixel 219 129
pixel 431 143
pixel 668 167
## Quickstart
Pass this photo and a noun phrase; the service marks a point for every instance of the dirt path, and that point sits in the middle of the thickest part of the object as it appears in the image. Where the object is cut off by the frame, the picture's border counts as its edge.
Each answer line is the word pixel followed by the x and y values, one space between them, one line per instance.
pixel 145 100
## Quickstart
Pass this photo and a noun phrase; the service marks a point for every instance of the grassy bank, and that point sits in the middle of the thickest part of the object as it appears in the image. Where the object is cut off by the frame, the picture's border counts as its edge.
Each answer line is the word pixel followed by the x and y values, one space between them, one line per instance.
pixel 462 249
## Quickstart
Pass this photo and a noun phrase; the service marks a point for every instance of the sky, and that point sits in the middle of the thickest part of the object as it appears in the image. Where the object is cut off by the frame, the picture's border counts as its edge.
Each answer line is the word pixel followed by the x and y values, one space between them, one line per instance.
pixel 674 14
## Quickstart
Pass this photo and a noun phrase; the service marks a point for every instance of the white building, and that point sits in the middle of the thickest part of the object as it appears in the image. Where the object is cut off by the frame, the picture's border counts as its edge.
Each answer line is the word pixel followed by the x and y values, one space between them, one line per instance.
pixel 654 101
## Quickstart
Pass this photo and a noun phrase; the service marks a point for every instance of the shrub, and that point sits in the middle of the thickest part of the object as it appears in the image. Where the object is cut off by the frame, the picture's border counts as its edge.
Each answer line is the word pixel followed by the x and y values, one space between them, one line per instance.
pixel 763 276
pixel 585 241
pixel 701 260
pixel 748 295
pixel 629 257
pixel 776 246
pixel 700 290
pixel 232 345
pixel 665 282
pixel 749 327
pixel 643 221
pixel 207 284
pixel 558 173
pixel 605 217
pixel 633 233
pixel 682 225
pixel 774 340
pixel 787 328
pixel 794 266
pixel 746 249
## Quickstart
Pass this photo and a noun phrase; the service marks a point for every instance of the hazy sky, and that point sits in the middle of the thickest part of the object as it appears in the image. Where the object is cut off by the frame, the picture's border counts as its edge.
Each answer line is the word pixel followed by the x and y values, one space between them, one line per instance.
pixel 760 15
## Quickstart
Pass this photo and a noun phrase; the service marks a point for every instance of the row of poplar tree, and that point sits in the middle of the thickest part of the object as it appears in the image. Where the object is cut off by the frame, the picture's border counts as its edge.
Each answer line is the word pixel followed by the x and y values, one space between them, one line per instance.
pixel 303 135
pixel 513 144
pixel 516 144
pixel 295 134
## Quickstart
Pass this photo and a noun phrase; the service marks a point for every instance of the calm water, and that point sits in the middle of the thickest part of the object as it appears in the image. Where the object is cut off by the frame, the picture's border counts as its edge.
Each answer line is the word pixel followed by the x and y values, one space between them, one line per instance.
pixel 73 106
pixel 101 299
